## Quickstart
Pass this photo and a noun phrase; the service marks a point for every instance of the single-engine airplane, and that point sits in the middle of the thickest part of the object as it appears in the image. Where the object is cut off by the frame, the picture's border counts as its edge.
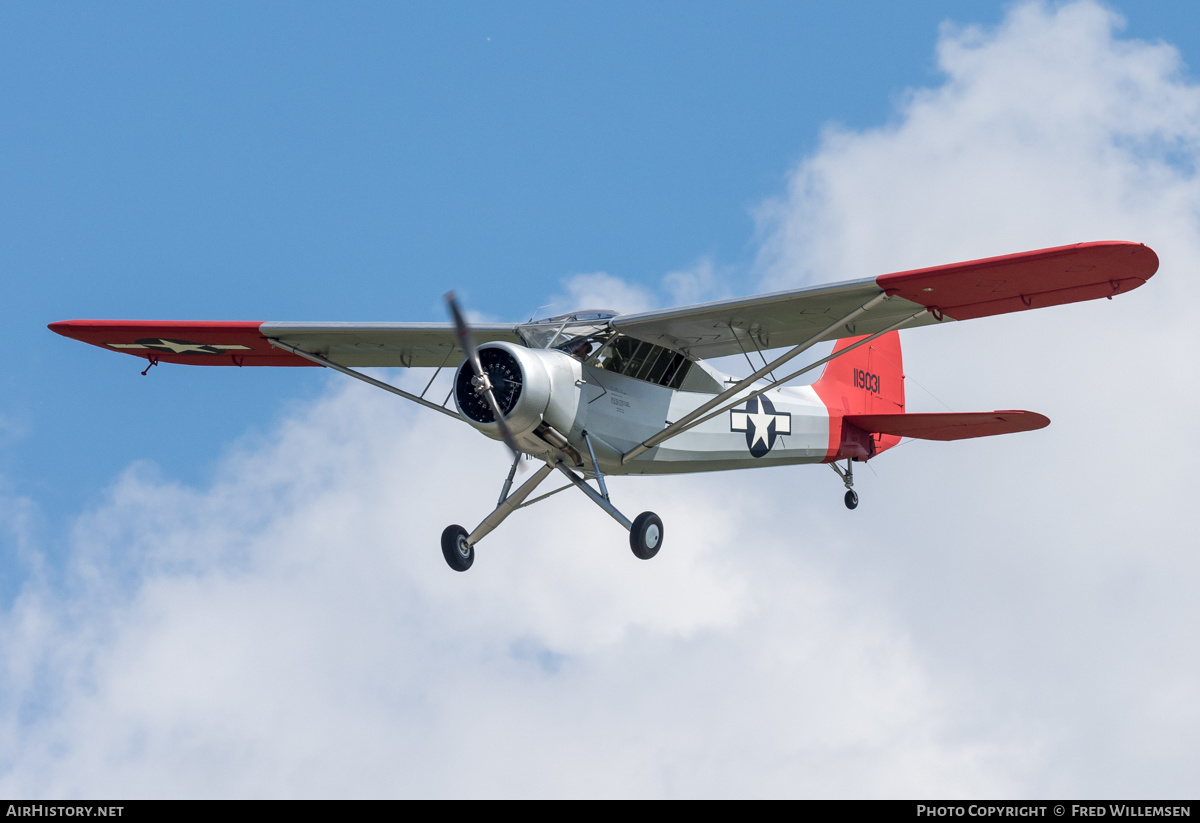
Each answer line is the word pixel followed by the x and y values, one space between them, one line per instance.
pixel 595 393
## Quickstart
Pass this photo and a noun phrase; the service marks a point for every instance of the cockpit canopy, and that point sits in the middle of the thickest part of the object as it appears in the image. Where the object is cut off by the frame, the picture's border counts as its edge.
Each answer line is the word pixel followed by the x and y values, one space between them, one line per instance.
pixel 588 336
pixel 569 332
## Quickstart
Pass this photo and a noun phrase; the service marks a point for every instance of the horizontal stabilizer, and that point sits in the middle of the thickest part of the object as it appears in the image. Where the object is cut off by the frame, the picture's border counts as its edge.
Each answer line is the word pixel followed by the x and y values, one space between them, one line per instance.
pixel 950 426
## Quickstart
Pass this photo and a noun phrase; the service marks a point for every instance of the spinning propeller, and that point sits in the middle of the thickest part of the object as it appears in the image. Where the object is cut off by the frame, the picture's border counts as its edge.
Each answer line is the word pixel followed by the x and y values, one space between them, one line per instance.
pixel 482 381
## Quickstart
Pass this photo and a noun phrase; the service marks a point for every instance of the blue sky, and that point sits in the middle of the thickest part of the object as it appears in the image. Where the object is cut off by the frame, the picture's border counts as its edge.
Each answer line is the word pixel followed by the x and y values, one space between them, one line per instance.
pixel 283 161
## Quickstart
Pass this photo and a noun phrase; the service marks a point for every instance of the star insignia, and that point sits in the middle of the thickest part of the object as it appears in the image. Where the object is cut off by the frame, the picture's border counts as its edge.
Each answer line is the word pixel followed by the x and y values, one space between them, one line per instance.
pixel 761 423
pixel 179 346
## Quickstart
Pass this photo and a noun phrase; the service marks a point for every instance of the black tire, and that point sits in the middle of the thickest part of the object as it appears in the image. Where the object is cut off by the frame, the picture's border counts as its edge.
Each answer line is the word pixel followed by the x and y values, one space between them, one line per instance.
pixel 458 553
pixel 646 536
pixel 851 499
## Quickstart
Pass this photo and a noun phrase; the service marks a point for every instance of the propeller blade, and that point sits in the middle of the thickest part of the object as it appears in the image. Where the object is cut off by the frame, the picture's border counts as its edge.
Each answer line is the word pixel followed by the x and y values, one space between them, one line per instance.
pixel 465 338
pixel 482 379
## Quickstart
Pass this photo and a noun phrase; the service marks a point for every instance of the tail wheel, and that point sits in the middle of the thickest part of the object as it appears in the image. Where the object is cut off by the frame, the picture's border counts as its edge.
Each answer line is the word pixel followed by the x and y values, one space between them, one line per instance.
pixel 851 499
pixel 646 536
pixel 458 552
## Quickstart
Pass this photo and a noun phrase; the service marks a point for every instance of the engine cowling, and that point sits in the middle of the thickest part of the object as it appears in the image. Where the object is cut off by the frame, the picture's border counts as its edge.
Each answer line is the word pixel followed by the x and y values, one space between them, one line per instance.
pixel 531 386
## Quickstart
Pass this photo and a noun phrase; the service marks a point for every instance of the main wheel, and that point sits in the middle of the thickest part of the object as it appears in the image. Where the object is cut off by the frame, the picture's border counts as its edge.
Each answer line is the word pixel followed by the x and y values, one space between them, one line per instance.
pixel 646 536
pixel 851 499
pixel 458 552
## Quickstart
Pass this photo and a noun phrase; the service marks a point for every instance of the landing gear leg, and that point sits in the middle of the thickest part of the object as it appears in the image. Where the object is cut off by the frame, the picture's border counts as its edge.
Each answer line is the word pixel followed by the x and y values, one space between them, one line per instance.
pixel 645 531
pixel 458 547
pixel 848 480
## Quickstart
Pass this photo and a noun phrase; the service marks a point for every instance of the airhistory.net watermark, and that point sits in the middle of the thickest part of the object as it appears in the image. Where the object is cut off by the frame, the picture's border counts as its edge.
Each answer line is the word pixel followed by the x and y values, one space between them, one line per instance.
pixel 48 810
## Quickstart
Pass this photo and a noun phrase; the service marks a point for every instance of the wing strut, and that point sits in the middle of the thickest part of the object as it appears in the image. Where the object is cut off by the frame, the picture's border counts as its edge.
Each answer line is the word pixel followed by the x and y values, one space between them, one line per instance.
pixel 808 368
pixel 693 417
pixel 379 384
pixel 698 416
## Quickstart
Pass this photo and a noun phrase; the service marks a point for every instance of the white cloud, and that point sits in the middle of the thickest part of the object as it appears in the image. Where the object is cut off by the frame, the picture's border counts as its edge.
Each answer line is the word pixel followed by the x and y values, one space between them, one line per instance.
pixel 1005 618
pixel 702 282
pixel 600 290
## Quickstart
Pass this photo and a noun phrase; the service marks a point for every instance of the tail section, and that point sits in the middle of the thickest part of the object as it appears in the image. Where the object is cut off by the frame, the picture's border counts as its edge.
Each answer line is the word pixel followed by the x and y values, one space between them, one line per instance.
pixel 863 390
pixel 869 380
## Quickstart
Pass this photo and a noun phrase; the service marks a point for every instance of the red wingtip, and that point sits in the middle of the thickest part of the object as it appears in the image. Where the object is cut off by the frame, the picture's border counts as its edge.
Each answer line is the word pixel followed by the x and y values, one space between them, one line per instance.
pixel 1028 280
pixel 192 342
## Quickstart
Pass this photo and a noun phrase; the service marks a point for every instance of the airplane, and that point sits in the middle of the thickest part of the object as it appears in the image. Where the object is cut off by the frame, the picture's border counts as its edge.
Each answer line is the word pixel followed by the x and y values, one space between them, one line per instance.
pixel 593 394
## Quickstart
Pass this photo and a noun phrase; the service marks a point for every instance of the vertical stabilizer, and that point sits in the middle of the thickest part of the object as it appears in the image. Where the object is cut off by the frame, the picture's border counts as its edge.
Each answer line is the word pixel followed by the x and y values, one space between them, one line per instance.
pixel 867 380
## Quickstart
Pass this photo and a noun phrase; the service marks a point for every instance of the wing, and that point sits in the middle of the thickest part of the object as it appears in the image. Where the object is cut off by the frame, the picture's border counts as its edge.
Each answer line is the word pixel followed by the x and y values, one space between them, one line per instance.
pixel 962 291
pixel 249 343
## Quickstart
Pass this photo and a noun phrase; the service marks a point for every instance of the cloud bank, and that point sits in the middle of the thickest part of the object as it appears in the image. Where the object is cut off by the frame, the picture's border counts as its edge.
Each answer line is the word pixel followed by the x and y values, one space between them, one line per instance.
pixel 1004 618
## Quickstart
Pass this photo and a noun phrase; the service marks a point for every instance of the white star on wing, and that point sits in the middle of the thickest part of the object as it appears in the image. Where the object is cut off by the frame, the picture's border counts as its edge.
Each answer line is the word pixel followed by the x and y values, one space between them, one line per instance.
pixel 184 348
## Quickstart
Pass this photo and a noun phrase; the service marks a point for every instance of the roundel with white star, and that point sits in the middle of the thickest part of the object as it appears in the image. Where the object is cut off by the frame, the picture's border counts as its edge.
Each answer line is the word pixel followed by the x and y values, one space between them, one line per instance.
pixel 761 423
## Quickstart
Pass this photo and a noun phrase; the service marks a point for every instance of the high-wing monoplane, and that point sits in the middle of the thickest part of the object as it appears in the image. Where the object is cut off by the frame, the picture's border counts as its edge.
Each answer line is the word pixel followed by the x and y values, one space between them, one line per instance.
pixel 594 393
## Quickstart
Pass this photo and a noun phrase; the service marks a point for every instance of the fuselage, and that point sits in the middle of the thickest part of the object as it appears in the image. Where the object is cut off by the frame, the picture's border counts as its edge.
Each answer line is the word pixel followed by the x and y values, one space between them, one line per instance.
pixel 784 426
pixel 553 398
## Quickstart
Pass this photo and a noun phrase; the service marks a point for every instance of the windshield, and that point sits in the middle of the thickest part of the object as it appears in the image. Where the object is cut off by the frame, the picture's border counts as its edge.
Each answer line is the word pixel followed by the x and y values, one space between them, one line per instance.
pixel 571 333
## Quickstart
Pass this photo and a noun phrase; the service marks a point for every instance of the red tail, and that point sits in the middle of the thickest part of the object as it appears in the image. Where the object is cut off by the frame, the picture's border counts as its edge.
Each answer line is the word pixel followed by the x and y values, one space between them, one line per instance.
pixel 867 380
pixel 864 393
